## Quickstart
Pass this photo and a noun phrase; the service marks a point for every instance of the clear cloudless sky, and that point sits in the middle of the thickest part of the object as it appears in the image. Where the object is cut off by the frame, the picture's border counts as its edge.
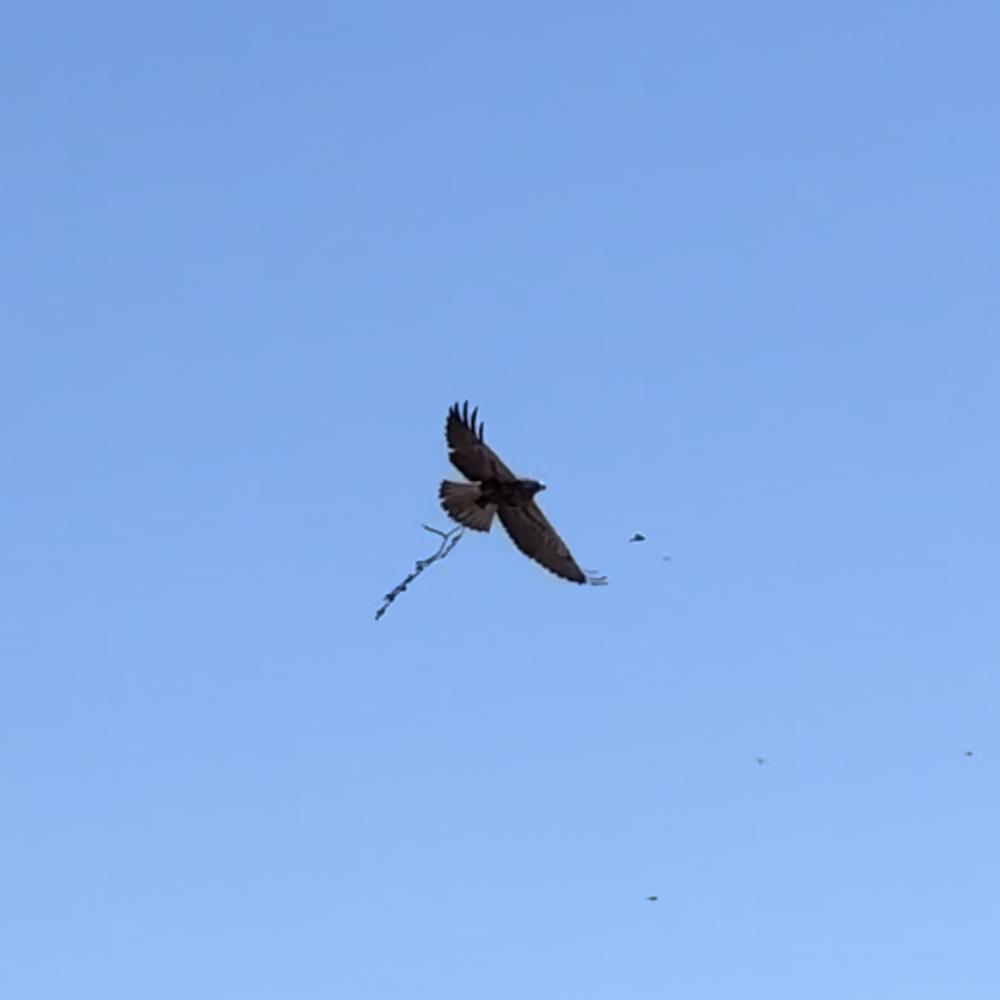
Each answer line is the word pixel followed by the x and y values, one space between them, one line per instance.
pixel 723 273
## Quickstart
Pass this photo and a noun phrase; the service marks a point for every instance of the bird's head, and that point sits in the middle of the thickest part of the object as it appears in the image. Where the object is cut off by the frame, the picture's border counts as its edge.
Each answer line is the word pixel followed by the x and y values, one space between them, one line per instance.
pixel 534 486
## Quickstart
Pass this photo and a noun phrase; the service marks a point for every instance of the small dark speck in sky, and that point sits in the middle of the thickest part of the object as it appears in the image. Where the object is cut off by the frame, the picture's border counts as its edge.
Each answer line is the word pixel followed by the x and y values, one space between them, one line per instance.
pixel 637 538
pixel 761 760
pixel 968 753
pixel 652 899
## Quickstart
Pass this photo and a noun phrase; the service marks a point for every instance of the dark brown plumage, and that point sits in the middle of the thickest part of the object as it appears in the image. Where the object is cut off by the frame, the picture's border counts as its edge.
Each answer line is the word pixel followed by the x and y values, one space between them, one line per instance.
pixel 495 490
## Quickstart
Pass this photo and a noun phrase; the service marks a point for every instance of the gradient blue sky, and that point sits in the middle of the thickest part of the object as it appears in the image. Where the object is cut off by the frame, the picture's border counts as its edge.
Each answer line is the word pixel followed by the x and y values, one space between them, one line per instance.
pixel 723 273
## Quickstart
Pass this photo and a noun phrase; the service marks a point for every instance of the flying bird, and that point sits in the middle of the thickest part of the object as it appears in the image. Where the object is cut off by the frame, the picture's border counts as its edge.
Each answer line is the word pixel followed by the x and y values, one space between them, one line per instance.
pixel 638 537
pixel 652 899
pixel 495 490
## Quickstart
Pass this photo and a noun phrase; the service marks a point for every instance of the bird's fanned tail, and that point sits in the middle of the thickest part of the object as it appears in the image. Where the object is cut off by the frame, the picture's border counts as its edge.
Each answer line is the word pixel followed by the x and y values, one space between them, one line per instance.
pixel 460 503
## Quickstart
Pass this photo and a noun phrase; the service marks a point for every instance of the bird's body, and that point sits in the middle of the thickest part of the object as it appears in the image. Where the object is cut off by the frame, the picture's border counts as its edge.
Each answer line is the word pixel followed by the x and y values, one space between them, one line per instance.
pixel 496 492
pixel 519 493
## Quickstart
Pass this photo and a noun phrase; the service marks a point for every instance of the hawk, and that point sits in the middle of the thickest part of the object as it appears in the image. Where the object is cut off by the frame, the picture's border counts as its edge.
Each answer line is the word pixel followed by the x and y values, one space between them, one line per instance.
pixel 495 490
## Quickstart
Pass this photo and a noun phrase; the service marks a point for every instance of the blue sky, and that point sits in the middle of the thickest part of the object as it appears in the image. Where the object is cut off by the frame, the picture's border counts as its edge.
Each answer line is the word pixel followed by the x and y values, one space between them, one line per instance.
pixel 722 273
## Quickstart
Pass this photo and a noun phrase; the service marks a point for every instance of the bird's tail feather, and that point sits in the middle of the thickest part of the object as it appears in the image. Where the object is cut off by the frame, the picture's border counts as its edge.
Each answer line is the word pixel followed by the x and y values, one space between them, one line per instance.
pixel 460 503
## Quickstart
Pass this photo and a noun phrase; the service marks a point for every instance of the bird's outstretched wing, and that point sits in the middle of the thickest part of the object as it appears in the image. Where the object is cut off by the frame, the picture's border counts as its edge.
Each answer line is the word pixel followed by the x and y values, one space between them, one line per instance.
pixel 531 532
pixel 475 459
